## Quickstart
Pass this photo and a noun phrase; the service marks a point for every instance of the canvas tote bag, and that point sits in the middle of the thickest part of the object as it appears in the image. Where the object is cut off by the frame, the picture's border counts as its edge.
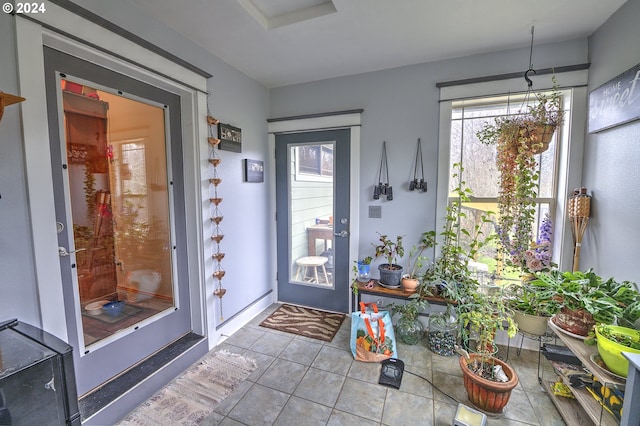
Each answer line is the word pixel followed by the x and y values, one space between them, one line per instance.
pixel 372 337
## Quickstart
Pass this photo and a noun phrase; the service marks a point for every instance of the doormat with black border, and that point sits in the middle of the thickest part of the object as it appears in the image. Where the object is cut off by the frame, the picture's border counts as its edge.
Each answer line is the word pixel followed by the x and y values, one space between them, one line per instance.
pixel 320 325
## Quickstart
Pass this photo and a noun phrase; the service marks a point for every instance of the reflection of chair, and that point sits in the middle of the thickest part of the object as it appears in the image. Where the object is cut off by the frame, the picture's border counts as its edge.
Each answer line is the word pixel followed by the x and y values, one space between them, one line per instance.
pixel 314 262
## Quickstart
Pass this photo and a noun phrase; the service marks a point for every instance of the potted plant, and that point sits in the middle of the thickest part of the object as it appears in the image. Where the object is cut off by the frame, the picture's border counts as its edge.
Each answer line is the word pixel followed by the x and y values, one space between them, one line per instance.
pixel 519 138
pixel 410 280
pixel 409 329
pixel 364 269
pixel 460 243
pixel 487 380
pixel 586 299
pixel 390 272
pixel 533 303
pixel 612 341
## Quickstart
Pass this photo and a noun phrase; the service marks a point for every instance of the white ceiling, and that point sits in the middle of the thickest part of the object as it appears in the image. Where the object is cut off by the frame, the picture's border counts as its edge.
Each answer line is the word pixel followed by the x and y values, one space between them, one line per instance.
pixel 283 42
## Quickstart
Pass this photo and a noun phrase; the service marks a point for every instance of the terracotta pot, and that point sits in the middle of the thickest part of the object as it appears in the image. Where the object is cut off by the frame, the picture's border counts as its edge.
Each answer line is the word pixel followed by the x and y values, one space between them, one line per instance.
pixel 577 321
pixel 410 284
pixel 486 394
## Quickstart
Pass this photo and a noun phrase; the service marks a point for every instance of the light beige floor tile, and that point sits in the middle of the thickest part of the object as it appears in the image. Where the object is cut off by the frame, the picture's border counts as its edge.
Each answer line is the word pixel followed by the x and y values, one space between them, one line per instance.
pixel 333 359
pixel 283 375
pixel 259 406
pixel 340 418
pixel 320 386
pixel 227 404
pixel 271 343
pixel 263 362
pixel 402 408
pixel 299 411
pixel 245 337
pixel 302 351
pixel 362 399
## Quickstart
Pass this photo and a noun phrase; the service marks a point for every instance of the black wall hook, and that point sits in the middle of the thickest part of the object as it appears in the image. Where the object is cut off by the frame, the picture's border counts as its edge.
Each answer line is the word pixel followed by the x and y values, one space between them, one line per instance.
pixel 526 76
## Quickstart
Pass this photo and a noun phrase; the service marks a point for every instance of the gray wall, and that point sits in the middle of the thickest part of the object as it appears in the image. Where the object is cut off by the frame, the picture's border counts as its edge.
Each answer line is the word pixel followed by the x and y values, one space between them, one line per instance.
pixel 235 99
pixel 400 106
pixel 612 158
pixel 242 102
pixel 18 297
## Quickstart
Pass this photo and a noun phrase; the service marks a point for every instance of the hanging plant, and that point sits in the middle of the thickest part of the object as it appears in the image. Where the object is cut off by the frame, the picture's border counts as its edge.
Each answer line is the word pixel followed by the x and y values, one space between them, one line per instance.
pixel 519 139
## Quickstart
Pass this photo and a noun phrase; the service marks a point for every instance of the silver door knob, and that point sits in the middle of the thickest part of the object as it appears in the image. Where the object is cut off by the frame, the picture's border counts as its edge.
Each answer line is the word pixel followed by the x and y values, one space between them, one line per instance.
pixel 63 251
pixel 342 234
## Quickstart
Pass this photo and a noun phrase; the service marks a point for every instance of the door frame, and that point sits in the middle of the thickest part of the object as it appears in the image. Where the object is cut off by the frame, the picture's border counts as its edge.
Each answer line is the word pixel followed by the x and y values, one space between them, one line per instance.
pixel 31 37
pixel 317 122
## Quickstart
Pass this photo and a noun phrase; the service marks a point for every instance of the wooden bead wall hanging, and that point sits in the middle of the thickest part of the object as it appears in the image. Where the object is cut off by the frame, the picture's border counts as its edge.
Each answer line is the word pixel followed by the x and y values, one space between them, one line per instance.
pixel 216 217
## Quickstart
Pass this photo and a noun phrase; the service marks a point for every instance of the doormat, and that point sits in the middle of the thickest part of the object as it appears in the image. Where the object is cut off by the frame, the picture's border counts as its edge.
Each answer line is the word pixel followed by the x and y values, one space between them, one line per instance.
pixel 190 398
pixel 307 322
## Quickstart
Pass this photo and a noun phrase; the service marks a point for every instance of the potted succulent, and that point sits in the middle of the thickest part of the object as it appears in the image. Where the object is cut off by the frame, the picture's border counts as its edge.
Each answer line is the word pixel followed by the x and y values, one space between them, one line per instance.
pixel 519 138
pixel 410 281
pixel 390 272
pixel 409 328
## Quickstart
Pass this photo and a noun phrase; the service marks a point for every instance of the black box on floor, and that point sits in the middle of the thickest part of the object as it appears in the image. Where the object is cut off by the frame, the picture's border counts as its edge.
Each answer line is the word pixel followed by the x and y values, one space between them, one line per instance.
pixel 559 353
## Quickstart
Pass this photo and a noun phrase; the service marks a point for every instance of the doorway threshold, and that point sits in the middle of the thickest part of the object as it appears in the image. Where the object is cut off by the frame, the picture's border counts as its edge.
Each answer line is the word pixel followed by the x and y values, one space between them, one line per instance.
pixel 98 399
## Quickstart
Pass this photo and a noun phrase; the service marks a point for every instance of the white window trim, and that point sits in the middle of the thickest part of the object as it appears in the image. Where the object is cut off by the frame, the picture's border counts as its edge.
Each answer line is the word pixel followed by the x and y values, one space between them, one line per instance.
pixel 570 160
pixel 30 39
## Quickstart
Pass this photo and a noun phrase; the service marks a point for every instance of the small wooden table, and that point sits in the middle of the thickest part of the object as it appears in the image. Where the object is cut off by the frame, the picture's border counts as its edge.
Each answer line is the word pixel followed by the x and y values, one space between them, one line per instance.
pixel 394 293
pixel 318 232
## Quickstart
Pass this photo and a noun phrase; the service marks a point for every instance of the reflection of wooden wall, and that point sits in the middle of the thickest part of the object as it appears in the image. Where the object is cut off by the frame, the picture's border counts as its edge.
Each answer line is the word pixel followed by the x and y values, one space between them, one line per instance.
pixel 87 141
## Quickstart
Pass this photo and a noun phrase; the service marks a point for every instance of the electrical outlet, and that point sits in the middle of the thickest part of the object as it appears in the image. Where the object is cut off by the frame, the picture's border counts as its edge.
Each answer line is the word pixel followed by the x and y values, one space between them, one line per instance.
pixel 375 212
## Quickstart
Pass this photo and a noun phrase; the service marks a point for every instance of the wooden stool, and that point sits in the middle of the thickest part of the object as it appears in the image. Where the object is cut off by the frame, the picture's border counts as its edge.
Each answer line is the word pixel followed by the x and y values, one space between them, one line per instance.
pixel 314 262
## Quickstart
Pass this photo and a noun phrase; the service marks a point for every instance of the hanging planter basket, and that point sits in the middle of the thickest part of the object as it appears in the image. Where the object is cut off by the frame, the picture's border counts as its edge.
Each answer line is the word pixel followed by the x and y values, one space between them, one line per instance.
pixel 533 137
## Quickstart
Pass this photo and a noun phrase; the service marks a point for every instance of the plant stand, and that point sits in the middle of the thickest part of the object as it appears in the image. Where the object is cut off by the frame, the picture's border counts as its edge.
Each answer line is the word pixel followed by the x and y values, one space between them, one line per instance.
pixel 584 406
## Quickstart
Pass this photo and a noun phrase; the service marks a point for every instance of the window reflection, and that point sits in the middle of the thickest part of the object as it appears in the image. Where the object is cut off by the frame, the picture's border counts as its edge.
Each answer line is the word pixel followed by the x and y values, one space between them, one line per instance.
pixel 116 151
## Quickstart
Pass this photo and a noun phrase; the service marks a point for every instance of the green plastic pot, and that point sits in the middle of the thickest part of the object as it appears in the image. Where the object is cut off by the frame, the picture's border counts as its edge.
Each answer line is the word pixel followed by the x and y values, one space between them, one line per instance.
pixel 611 351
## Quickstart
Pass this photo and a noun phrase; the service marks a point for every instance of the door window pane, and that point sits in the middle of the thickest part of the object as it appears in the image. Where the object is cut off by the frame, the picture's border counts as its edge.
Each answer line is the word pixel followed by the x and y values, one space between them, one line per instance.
pixel 311 213
pixel 116 151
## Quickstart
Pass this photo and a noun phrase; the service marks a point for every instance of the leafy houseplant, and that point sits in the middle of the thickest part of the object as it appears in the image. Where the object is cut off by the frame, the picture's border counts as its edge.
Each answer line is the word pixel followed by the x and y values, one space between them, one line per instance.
pixel 460 244
pixel 409 329
pixel 586 299
pixel 532 304
pixel 390 272
pixel 487 380
pixel 410 281
pixel 519 138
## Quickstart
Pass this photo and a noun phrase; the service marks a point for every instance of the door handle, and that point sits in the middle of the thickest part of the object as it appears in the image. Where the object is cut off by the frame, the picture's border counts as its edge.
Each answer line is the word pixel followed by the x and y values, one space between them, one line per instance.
pixel 62 252
pixel 343 234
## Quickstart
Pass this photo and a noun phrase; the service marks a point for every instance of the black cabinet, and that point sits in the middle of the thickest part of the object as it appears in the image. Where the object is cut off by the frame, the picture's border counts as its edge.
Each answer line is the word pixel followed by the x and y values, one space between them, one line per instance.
pixel 37 381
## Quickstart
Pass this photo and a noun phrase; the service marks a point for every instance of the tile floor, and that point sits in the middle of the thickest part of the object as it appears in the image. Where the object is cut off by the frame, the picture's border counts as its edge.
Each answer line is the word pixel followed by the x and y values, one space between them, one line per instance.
pixel 301 381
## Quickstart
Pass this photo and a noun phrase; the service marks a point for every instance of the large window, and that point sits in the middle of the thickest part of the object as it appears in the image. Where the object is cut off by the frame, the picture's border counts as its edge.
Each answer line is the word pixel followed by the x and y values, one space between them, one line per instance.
pixel 481 176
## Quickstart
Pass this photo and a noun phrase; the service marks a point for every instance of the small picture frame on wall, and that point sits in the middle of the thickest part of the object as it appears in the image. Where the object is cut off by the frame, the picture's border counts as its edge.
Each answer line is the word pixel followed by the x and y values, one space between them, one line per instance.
pixel 253 170
pixel 230 137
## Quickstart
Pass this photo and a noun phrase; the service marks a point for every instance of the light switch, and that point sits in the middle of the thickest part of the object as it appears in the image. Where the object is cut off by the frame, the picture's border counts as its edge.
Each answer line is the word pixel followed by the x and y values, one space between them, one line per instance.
pixel 375 212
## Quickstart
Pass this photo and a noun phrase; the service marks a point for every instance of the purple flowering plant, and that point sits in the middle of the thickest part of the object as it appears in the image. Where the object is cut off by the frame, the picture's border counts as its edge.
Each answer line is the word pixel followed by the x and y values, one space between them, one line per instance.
pixel 537 257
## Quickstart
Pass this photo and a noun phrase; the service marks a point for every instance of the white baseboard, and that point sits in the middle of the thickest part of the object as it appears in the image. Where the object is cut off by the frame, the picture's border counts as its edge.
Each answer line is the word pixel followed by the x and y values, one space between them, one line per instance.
pixel 241 320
